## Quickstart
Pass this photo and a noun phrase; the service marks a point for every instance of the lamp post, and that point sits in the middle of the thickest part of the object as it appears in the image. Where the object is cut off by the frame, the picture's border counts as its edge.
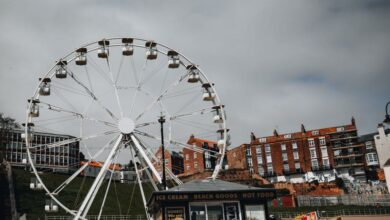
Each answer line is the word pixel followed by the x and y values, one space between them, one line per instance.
pixel 387 117
pixel 162 121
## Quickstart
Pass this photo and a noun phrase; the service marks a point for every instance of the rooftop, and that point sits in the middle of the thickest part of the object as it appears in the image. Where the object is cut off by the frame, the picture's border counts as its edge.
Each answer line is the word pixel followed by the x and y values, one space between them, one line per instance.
pixel 209 185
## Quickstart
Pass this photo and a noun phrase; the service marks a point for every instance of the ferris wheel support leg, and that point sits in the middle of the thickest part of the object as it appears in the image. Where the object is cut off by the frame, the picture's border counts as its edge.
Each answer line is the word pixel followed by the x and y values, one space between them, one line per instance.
pixel 149 176
pixel 84 208
pixel 145 157
pixel 140 187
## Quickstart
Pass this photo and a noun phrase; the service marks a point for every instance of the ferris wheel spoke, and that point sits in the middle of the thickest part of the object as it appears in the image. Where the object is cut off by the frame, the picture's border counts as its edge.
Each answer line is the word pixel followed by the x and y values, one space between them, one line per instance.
pixel 76 114
pixel 158 98
pixel 93 96
pixel 140 186
pixel 72 140
pixel 89 198
pixel 175 142
pixel 136 143
pixel 145 167
pixel 115 87
pixel 189 114
pixel 99 70
pixel 78 171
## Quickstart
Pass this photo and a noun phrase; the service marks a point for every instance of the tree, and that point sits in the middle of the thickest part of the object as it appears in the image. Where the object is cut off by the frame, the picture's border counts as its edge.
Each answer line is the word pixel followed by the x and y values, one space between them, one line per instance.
pixel 7 124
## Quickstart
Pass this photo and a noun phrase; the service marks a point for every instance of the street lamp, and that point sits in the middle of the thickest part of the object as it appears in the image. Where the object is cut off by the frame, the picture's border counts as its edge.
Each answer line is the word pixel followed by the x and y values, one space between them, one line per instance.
pixel 162 121
pixel 387 117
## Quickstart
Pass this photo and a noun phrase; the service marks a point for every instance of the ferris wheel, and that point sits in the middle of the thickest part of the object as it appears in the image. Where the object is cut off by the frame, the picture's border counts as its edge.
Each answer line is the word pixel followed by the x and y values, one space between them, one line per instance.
pixel 120 99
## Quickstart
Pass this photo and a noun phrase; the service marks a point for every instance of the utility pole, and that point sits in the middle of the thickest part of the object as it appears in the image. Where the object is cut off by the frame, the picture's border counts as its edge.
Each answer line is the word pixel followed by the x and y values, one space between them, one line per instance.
pixel 164 180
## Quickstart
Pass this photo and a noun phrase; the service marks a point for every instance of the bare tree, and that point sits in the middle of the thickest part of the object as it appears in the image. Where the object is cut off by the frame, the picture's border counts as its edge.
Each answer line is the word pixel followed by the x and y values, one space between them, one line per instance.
pixel 7 124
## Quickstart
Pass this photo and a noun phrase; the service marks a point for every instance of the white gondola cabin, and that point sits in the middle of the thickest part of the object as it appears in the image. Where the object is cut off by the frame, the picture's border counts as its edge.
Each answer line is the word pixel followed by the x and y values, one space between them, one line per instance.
pixel 174 61
pixel 103 50
pixel 81 56
pixel 51 206
pixel 218 111
pixel 193 74
pixel 208 93
pixel 35 184
pixel 44 88
pixel 222 142
pixel 61 70
pixel 34 110
pixel 29 129
pixel 151 50
pixel 128 48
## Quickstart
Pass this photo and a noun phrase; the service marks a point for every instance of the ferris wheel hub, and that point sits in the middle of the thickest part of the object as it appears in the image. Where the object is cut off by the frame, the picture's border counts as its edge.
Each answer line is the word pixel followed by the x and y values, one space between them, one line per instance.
pixel 126 125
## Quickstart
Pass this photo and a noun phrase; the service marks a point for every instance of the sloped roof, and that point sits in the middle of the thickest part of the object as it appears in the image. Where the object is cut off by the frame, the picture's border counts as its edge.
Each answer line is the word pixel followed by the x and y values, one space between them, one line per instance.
pixel 209 185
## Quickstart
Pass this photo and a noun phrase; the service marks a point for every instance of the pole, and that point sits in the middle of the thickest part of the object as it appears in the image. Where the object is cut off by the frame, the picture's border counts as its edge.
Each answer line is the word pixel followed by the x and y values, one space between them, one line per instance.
pixel 164 180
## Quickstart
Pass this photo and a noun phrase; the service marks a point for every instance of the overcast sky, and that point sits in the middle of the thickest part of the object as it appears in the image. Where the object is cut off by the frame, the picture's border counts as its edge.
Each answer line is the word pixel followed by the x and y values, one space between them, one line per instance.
pixel 275 64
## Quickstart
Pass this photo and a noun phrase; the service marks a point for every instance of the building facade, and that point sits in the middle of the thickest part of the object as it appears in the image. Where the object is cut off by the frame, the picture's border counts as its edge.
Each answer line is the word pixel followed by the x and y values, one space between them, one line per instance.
pixel 173 161
pixel 59 158
pixel 382 143
pixel 308 155
pixel 199 161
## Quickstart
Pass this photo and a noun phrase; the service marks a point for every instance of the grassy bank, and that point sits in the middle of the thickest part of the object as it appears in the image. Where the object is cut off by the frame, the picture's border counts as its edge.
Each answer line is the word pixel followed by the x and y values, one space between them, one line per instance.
pixel 119 199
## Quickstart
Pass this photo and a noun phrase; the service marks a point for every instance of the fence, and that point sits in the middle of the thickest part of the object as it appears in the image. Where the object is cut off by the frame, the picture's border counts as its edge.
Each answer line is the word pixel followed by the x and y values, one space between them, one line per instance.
pixel 95 217
pixel 341 212
pixel 360 200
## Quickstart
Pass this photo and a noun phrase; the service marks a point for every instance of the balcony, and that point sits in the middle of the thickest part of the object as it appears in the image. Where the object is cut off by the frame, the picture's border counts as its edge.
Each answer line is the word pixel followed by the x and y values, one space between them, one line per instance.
pixel 348 155
pixel 343 138
pixel 346 146
pixel 344 165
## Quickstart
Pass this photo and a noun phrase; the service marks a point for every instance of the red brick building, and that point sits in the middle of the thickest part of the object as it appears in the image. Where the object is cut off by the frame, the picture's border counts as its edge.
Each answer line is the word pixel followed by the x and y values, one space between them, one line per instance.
pixel 202 160
pixel 173 161
pixel 303 156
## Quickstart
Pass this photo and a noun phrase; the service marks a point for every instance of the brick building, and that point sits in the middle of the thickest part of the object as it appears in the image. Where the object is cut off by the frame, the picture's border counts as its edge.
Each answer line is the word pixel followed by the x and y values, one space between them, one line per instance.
pixel 173 161
pixel 202 160
pixel 306 155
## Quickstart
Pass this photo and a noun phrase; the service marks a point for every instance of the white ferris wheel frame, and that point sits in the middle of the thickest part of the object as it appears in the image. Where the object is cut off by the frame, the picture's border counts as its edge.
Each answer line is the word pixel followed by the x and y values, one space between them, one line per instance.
pixel 144 151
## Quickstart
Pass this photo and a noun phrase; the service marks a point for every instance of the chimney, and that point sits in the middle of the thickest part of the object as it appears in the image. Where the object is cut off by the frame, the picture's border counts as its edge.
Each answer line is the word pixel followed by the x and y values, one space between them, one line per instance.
pixel 303 129
pixel 353 121
pixel 276 133
pixel 253 137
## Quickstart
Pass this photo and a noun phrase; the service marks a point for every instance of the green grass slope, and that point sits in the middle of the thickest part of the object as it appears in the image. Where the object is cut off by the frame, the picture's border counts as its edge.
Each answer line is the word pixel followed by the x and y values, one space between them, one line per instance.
pixel 122 199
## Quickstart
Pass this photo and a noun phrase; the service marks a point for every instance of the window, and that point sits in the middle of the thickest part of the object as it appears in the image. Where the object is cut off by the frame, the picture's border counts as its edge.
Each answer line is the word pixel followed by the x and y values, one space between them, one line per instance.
pixel 269 158
pixel 196 165
pixel 369 145
pixel 254 212
pixel 248 151
pixel 297 166
pixel 372 159
pixel 324 152
pixel 313 153
pixel 283 146
pixel 166 162
pixel 316 132
pixel 187 156
pixel 263 140
pixel 294 145
pixel 250 163
pixel 286 136
pixel 286 168
pixel 208 164
pixel 322 141
pixel 270 169
pixel 296 155
pixel 314 164
pixel 251 170
pixel 207 155
pixel 259 159
pixel 258 149
pixel 260 170
pixel 195 155
pixel 311 143
pixel 340 129
pixel 284 156
pixel 188 167
pixel 267 148
pixel 325 163
pixel 234 154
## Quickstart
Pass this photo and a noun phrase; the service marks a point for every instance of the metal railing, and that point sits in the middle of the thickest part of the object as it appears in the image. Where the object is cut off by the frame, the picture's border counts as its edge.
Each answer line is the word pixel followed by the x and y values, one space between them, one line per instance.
pixel 360 200
pixel 95 217
pixel 341 212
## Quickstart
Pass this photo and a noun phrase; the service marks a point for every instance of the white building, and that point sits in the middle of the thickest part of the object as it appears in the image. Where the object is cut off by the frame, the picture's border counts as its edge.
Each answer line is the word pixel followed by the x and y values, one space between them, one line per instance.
pixel 382 143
